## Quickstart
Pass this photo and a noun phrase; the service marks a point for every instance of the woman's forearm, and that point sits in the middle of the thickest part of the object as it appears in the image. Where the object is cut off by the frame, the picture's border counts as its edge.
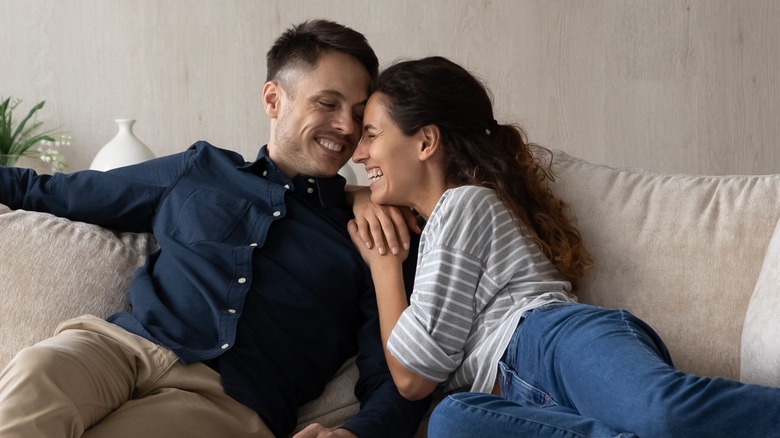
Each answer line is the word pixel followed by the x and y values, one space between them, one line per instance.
pixel 391 302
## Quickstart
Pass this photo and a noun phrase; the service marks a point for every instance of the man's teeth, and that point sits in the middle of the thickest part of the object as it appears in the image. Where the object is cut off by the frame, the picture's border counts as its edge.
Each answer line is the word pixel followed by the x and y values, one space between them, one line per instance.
pixel 330 145
pixel 374 174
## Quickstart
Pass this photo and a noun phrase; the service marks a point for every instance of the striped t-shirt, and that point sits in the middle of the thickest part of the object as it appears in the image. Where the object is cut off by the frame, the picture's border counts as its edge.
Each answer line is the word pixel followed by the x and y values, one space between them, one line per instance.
pixel 476 274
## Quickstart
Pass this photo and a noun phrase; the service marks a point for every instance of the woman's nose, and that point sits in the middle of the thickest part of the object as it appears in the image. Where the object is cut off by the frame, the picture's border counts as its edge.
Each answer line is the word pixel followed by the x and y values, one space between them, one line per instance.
pixel 361 152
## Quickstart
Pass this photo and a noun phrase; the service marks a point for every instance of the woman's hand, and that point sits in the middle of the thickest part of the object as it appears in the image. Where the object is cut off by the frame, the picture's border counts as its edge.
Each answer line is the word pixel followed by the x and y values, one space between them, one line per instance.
pixel 371 254
pixel 381 227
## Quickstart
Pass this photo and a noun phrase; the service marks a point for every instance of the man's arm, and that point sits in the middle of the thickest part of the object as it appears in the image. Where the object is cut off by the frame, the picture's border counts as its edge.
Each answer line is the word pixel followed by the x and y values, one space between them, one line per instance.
pixel 121 199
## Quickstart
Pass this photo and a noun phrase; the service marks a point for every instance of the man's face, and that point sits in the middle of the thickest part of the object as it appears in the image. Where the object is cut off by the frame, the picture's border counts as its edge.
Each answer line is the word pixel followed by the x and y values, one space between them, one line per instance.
pixel 316 115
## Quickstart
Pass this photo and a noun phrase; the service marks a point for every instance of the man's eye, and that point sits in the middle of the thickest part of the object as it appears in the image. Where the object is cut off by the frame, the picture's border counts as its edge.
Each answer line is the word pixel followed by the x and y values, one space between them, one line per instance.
pixel 327 105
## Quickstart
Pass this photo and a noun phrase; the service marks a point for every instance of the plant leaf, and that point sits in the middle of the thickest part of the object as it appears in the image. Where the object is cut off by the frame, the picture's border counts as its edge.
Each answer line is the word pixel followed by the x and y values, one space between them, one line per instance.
pixel 20 128
pixel 18 140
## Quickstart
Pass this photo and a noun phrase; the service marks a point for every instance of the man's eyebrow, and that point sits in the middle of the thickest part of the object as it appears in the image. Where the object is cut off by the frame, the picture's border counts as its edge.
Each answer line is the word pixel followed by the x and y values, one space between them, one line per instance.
pixel 339 95
pixel 334 93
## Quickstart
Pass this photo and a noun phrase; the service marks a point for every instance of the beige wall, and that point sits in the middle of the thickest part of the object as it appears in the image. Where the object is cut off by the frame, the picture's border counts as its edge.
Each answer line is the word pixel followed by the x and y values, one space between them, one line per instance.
pixel 669 85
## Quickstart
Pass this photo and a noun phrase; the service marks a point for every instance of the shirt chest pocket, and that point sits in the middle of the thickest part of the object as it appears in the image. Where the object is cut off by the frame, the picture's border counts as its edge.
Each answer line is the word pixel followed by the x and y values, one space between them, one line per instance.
pixel 212 216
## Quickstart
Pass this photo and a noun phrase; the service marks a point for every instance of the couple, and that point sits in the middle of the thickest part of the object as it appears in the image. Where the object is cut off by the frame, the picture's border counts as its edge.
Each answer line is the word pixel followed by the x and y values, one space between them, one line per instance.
pixel 244 313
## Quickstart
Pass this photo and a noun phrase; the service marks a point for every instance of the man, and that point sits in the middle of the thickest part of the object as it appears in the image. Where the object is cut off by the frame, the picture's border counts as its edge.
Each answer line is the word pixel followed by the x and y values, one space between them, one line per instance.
pixel 257 295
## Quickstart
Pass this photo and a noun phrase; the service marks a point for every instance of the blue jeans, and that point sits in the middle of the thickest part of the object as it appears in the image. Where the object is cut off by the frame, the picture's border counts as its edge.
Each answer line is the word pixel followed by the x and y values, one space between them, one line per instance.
pixel 573 370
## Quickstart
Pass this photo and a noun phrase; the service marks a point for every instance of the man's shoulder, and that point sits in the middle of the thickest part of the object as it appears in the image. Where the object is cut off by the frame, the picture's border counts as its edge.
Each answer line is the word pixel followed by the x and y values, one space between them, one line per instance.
pixel 203 148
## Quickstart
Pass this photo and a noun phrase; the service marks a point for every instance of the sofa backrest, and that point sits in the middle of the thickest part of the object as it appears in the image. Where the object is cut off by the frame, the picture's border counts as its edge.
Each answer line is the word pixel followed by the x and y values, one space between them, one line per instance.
pixel 681 252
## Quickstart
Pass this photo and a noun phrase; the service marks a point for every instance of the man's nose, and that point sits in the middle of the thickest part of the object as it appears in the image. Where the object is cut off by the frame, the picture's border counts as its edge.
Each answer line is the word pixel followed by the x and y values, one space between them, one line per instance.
pixel 345 122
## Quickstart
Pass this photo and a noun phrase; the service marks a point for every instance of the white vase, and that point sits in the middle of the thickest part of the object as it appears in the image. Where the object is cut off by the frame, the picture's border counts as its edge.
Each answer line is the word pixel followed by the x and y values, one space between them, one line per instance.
pixel 123 150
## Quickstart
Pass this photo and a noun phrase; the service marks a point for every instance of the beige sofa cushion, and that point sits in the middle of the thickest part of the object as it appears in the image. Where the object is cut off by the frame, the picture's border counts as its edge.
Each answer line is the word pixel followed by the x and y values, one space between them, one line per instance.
pixel 52 269
pixel 761 331
pixel 681 252
pixel 337 403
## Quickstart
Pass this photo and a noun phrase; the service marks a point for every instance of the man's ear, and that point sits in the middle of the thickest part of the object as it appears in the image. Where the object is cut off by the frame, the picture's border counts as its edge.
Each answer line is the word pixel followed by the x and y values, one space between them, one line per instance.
pixel 430 137
pixel 272 98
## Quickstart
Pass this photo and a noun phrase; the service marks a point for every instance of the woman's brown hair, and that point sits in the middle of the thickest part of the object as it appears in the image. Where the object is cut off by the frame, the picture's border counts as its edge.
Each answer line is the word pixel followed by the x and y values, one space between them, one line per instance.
pixel 480 151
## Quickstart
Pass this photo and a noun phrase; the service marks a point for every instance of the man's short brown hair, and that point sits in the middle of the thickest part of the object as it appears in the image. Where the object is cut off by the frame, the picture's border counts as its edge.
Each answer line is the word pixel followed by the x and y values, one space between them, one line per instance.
pixel 302 45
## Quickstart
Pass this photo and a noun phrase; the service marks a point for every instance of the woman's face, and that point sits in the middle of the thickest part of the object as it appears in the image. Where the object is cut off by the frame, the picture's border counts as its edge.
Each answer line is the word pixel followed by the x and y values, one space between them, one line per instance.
pixel 389 156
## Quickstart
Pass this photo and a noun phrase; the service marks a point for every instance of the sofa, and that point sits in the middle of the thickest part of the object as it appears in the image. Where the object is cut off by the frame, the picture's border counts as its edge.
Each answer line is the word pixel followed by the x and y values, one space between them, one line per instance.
pixel 697 257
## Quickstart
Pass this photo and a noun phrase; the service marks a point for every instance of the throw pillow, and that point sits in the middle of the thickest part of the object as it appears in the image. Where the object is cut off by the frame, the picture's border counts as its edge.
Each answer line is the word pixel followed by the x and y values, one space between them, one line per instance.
pixel 52 269
pixel 760 358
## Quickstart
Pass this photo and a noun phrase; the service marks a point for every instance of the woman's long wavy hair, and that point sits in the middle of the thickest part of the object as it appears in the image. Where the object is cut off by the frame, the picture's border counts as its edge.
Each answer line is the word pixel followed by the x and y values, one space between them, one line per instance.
pixel 479 151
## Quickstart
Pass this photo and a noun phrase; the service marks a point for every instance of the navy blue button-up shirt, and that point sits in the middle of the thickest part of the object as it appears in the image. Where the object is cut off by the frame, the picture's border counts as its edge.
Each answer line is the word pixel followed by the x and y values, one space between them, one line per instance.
pixel 255 270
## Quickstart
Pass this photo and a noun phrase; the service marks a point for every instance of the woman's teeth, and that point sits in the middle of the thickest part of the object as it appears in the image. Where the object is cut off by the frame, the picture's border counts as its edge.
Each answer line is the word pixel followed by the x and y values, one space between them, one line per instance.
pixel 374 174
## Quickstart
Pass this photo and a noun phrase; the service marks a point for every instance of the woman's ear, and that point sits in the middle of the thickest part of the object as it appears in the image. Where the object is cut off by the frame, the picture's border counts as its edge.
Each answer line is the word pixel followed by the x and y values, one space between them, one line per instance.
pixel 272 96
pixel 431 142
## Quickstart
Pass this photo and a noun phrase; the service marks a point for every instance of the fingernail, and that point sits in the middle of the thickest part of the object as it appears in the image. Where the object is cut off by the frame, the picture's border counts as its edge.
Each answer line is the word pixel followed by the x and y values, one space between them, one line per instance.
pixel 394 250
pixel 406 245
pixel 381 250
pixel 368 245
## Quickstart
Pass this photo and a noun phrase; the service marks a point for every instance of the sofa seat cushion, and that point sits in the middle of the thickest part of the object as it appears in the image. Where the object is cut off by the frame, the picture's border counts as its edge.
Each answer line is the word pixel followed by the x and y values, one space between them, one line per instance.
pixel 52 269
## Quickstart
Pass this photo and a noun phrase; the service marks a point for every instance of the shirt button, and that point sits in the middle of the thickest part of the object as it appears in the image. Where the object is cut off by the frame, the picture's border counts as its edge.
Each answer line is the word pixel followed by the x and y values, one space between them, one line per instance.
pixel 265 173
pixel 232 311
pixel 287 186
pixel 252 244
pixel 225 346
pixel 277 213
pixel 311 180
pixel 310 190
pixel 242 280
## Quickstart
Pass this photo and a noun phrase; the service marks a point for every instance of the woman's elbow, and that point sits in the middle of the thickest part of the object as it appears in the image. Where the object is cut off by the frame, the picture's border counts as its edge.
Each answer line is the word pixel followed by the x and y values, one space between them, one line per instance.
pixel 415 388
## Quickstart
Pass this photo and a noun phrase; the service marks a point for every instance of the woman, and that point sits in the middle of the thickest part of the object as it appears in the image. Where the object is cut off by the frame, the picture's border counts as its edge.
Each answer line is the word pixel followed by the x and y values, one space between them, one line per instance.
pixel 492 308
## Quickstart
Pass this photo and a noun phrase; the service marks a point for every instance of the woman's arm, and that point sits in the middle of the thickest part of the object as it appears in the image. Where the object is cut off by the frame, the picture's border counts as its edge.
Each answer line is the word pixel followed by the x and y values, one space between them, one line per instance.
pixel 387 274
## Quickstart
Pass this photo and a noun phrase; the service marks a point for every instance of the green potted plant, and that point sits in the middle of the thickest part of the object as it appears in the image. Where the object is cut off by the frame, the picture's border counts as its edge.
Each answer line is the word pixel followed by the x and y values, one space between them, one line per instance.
pixel 17 141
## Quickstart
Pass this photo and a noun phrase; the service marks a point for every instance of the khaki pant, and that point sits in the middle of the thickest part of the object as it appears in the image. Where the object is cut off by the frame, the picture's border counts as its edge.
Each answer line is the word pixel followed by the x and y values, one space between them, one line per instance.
pixel 95 379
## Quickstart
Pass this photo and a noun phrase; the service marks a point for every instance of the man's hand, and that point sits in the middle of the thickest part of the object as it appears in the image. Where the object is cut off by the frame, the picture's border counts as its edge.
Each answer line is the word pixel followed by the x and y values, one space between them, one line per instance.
pixel 316 430
pixel 382 226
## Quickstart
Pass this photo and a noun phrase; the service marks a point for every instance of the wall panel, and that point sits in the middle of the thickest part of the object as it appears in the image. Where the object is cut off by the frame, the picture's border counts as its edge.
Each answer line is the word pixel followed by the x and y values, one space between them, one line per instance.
pixel 669 85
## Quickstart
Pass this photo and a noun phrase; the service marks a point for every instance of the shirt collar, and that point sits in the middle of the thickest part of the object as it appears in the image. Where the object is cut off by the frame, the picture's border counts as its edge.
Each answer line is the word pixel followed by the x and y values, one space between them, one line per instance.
pixel 330 190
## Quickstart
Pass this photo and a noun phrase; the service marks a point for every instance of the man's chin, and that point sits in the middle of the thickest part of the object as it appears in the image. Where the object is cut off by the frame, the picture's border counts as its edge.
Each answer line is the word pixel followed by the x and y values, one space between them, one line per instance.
pixel 324 173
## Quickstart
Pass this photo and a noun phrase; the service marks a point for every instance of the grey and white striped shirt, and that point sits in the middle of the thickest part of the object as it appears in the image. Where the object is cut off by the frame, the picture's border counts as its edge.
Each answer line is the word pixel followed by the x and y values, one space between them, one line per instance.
pixel 476 274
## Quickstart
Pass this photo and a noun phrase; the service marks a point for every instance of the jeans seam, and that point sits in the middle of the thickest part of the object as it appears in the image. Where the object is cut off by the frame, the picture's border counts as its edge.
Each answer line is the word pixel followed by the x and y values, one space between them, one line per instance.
pixel 633 332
